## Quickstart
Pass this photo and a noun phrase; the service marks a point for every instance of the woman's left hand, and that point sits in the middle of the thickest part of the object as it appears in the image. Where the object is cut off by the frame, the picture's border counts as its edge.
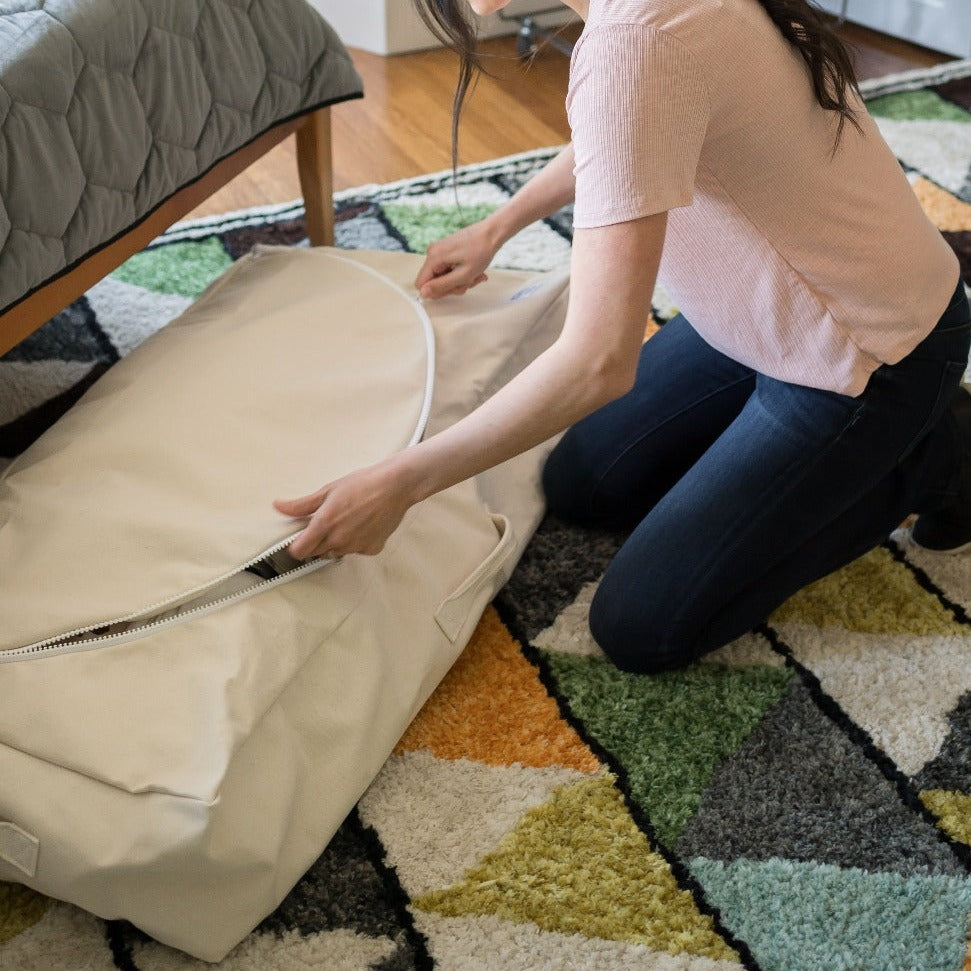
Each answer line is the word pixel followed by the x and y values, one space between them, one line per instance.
pixel 354 514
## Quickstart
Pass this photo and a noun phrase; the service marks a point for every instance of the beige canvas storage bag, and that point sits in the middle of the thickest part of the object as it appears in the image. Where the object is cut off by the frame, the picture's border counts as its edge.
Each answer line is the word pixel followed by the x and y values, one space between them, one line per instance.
pixel 181 729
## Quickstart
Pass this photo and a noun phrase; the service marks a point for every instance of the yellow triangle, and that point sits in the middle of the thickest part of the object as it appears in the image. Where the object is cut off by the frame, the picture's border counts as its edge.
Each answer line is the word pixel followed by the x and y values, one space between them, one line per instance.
pixel 579 865
pixel 20 909
pixel 872 595
pixel 492 708
pixel 952 810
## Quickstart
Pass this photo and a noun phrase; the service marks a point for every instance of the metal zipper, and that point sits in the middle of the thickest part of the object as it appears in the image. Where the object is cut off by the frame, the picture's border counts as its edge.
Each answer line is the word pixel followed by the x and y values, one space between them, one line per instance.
pixel 59 645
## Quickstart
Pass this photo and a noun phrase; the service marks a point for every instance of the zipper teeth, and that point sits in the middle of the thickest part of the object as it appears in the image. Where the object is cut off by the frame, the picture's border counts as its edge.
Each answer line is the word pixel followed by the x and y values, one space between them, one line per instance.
pixel 56 643
pixel 60 646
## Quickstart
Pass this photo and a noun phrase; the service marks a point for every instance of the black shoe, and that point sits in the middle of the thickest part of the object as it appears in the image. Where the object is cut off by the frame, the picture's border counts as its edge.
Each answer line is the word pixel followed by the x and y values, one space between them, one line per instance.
pixel 948 529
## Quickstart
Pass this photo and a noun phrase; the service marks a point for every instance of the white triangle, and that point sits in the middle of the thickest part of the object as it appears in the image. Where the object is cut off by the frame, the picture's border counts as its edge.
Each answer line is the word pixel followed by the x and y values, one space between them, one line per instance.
pixel 663 303
pixel 951 573
pixel 258 952
pixel 900 688
pixel 476 194
pixel 128 314
pixel 538 247
pixel 570 631
pixel 940 150
pixel 749 649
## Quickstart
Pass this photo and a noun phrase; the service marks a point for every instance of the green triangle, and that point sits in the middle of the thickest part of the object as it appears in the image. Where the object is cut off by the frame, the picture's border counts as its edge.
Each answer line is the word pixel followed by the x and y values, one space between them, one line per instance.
pixel 916 106
pixel 669 731
pixel 579 865
pixel 422 225
pixel 804 916
pixel 873 595
pixel 185 269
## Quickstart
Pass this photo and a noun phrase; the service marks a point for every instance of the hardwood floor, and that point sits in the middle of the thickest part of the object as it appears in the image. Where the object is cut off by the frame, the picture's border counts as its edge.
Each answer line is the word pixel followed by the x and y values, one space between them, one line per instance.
pixel 402 127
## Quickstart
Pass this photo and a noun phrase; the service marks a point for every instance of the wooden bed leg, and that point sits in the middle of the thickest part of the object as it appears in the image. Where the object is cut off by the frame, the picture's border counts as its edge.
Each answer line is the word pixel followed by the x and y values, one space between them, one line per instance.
pixel 316 168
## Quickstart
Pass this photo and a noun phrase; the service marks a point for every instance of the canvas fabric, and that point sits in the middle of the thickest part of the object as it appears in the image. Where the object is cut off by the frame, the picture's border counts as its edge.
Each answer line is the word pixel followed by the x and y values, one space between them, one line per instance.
pixel 184 775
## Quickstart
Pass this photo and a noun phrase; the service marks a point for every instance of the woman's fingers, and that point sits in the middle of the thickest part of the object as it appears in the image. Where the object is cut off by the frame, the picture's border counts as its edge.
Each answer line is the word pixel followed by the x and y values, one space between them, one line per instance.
pixel 354 514
pixel 429 271
pixel 455 263
pixel 312 542
pixel 444 283
pixel 304 506
pixel 312 539
pixel 454 283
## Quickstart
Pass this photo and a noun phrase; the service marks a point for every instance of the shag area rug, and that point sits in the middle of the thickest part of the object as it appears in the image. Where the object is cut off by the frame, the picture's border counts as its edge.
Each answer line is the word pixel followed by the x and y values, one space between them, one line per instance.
pixel 800 800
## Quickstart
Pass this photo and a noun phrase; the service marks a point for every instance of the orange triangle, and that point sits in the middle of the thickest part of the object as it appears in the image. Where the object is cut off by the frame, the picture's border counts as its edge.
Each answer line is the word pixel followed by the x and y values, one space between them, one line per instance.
pixel 947 212
pixel 492 708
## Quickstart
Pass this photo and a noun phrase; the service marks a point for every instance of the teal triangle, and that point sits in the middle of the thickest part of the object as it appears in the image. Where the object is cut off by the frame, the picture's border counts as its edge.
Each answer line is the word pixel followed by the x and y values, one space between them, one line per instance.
pixel 669 731
pixel 422 225
pixel 805 916
pixel 185 269
pixel 917 106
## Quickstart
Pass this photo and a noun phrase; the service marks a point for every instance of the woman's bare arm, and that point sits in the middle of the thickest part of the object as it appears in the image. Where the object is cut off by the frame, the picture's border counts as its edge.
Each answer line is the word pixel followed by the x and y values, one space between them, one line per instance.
pixel 459 261
pixel 593 361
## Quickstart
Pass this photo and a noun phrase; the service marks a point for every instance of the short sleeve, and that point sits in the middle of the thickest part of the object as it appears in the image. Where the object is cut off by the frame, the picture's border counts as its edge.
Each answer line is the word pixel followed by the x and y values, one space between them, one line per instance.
pixel 638 107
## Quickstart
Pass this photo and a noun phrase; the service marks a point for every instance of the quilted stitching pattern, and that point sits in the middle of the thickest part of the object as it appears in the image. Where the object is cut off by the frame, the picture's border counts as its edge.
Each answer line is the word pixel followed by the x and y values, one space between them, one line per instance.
pixel 107 107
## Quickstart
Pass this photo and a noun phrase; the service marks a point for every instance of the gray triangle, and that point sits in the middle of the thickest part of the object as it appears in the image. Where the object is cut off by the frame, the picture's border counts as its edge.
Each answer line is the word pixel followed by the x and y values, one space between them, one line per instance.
pixel 799 789
pixel 951 770
pixel 965 191
pixel 29 384
pixel 69 336
pixel 559 560
pixel 345 889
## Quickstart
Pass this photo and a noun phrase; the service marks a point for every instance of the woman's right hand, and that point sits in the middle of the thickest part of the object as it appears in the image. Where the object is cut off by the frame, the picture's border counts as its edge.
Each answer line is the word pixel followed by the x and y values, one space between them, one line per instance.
pixel 455 263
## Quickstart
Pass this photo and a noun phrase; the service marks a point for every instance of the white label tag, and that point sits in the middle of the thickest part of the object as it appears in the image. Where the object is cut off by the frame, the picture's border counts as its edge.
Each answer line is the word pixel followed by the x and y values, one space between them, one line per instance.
pixel 19 848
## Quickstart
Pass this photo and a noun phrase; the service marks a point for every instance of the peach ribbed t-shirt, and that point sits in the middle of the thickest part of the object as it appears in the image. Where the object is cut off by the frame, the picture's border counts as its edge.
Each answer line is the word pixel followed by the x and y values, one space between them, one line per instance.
pixel 808 266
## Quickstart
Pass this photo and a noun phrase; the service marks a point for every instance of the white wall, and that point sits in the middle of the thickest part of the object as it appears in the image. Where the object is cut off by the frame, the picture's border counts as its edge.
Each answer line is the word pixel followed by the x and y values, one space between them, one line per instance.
pixel 943 25
pixel 393 27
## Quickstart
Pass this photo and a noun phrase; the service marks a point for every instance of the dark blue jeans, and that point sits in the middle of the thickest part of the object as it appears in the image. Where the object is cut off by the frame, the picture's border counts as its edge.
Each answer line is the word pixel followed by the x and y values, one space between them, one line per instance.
pixel 741 489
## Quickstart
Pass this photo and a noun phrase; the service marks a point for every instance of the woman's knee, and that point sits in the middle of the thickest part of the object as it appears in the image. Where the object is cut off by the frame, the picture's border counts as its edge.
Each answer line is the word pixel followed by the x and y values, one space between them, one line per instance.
pixel 638 638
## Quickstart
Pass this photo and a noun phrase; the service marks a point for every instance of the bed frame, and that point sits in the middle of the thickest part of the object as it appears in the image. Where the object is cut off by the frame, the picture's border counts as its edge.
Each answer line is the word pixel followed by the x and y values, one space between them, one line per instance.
pixel 315 168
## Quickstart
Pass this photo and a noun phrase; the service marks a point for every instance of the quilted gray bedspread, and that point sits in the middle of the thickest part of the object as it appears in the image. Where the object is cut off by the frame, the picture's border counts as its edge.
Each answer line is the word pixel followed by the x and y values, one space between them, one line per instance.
pixel 107 107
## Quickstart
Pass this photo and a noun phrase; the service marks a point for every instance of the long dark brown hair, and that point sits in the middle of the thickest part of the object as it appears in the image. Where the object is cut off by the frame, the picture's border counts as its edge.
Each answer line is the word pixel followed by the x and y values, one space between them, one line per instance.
pixel 802 24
